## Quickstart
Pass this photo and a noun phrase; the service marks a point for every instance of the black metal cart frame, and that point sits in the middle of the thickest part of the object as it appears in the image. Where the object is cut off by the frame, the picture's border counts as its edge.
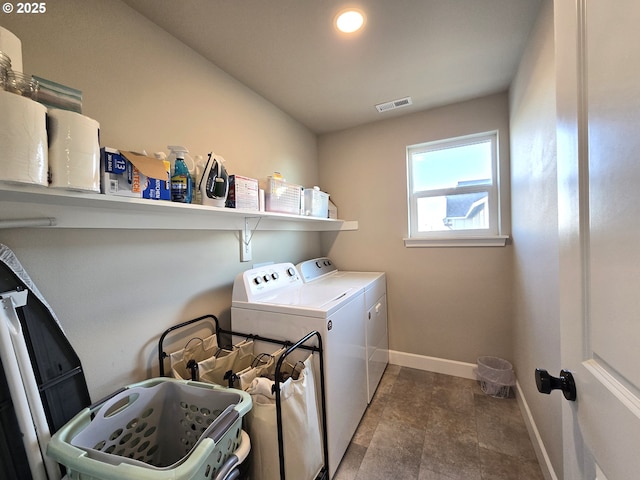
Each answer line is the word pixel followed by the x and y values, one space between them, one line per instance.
pixel 291 347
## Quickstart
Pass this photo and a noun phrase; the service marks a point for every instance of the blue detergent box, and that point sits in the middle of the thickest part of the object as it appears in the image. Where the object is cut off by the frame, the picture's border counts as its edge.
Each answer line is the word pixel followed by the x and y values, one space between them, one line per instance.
pixel 129 174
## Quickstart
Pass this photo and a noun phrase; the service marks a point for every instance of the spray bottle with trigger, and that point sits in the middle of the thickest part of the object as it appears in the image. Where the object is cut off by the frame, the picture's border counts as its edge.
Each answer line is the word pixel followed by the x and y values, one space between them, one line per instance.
pixel 181 181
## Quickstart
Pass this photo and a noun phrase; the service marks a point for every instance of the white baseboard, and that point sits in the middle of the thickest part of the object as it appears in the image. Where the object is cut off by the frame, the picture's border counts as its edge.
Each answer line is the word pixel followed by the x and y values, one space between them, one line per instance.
pixel 433 364
pixel 541 452
pixel 465 370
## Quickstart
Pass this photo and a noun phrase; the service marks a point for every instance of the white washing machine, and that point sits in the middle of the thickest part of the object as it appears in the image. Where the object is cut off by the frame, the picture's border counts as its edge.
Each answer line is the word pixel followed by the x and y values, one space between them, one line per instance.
pixel 322 271
pixel 273 301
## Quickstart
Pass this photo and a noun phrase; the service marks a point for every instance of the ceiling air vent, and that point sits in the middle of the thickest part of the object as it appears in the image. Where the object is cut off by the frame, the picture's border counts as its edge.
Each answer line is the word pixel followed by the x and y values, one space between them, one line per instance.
pixel 401 102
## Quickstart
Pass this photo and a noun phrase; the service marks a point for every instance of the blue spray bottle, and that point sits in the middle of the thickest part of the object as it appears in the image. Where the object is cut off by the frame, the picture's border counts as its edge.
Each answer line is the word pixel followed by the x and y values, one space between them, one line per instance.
pixel 181 181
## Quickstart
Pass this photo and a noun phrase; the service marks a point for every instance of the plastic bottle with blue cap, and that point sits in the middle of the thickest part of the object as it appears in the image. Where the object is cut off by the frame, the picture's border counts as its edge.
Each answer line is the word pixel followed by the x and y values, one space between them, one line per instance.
pixel 181 180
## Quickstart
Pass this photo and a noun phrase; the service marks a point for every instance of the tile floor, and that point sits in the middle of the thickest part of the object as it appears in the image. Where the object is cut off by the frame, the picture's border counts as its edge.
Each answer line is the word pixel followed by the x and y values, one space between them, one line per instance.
pixel 427 426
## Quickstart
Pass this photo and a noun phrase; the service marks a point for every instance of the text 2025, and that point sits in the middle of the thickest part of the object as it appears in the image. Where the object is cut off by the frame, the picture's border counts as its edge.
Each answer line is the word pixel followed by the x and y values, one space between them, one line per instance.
pixel 34 7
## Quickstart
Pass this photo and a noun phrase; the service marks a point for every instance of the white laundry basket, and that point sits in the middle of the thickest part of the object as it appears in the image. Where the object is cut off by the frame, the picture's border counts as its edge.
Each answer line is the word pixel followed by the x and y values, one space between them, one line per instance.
pixel 495 376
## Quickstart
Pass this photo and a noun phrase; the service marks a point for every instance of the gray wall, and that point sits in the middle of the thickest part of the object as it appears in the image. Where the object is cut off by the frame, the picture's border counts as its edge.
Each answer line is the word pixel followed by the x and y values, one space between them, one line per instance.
pixel 449 303
pixel 115 291
pixel 534 203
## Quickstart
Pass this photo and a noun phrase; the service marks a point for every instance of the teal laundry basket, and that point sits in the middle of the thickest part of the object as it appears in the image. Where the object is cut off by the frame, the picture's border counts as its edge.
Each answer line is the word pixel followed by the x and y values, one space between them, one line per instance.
pixel 158 429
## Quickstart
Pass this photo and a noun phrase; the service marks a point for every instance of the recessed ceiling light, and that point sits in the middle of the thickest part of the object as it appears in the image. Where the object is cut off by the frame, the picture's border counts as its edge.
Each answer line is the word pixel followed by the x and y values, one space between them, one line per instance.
pixel 350 21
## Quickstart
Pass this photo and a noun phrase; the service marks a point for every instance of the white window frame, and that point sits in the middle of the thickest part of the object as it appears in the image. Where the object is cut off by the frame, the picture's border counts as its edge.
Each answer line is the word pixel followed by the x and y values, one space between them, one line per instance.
pixel 490 236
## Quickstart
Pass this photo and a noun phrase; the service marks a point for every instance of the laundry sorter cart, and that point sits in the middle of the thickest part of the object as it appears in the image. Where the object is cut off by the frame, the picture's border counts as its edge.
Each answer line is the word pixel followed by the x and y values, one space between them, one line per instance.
pixel 157 429
pixel 232 377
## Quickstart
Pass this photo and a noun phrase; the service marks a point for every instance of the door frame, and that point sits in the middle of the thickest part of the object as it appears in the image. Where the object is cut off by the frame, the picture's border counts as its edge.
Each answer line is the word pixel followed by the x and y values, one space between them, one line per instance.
pixel 572 172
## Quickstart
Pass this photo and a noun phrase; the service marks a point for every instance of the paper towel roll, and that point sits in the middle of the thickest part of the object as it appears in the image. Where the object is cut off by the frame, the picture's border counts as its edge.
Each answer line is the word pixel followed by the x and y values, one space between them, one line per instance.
pixel 23 140
pixel 12 46
pixel 74 151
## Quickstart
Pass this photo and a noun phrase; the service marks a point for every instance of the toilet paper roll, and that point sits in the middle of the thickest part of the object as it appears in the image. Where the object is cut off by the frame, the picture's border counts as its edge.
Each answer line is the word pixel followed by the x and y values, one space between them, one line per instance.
pixel 74 151
pixel 12 46
pixel 23 140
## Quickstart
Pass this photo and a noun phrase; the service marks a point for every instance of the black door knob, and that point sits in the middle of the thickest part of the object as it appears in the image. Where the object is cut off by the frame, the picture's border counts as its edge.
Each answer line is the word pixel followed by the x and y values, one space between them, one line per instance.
pixel 546 383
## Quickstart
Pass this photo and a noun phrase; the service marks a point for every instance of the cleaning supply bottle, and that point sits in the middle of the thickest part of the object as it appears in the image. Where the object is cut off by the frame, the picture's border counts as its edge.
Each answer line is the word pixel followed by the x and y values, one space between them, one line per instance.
pixel 200 165
pixel 181 181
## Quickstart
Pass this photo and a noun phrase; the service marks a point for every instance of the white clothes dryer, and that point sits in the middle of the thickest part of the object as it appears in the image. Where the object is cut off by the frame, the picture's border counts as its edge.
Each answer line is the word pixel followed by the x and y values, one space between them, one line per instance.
pixel 274 302
pixel 322 271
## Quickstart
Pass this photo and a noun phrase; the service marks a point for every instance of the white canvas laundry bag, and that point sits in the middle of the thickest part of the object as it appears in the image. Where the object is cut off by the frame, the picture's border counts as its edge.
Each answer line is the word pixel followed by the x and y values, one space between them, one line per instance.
pixel 302 447
pixel 197 349
pixel 262 364
pixel 212 361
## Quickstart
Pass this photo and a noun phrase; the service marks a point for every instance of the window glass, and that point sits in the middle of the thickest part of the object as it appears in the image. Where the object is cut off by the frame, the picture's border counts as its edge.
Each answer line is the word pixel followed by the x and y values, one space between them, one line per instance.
pixel 452 166
pixel 453 188
pixel 468 211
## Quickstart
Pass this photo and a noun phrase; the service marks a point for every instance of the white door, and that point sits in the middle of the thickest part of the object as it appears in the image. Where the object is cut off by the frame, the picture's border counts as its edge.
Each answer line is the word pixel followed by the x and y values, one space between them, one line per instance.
pixel 598 65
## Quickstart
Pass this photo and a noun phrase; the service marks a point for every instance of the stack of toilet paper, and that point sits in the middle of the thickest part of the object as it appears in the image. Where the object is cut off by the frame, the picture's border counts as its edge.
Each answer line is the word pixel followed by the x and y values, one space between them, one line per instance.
pixel 11 46
pixel 74 151
pixel 69 151
pixel 23 140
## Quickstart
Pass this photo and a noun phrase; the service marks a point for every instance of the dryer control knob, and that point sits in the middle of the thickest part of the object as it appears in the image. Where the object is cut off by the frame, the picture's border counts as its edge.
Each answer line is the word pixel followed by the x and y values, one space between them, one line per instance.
pixel 275 275
pixel 291 272
pixel 318 264
pixel 257 280
pixel 266 278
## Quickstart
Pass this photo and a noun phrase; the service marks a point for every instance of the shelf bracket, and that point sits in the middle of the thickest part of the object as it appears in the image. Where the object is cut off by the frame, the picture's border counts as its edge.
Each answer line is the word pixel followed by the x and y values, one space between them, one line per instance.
pixel 245 242
pixel 246 235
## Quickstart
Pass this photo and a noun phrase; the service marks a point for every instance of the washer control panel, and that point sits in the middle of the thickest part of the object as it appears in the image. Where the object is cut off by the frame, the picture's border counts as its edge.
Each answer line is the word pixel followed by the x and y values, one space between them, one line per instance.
pixel 259 281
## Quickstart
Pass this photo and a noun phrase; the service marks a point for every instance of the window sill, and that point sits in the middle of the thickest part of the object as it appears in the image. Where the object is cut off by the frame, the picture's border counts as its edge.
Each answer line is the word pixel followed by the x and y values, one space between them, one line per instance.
pixel 476 241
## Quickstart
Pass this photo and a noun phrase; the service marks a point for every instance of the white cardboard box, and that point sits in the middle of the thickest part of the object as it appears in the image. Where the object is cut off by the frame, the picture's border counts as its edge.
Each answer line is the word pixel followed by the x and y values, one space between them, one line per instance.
pixel 127 174
pixel 243 193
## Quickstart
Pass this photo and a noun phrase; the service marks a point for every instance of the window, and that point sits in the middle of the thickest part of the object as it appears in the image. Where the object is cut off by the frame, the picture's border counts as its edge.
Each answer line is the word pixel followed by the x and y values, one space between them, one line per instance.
pixel 454 191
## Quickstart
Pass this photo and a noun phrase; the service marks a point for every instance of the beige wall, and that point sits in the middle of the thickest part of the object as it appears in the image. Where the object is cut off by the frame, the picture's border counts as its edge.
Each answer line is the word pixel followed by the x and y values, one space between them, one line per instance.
pixel 116 291
pixel 450 303
pixel 534 203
